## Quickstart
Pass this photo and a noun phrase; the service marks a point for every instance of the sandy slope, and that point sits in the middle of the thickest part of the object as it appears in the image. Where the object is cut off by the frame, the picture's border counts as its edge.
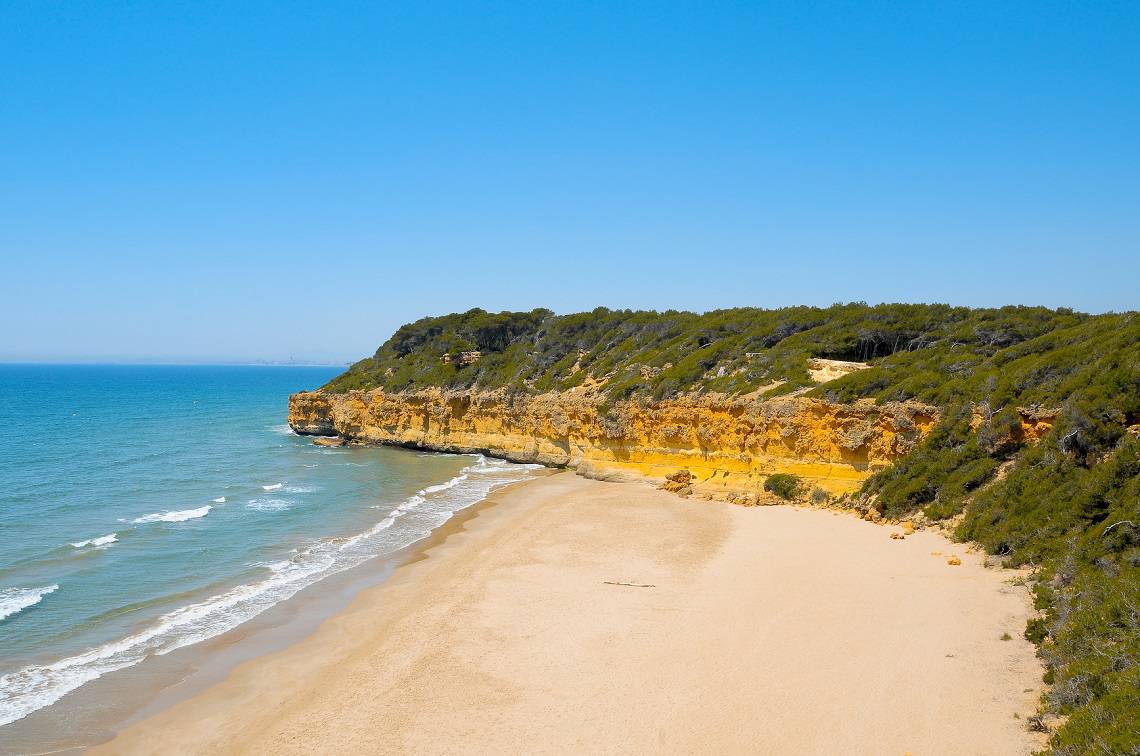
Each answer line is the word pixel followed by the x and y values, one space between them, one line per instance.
pixel 769 630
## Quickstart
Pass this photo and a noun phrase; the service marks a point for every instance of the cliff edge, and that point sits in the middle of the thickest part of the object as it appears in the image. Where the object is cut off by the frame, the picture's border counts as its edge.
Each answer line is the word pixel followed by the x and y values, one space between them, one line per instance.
pixel 729 444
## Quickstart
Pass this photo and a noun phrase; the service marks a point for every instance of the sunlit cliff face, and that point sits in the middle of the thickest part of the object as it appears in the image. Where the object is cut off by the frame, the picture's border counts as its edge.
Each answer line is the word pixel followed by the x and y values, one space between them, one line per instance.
pixel 729 444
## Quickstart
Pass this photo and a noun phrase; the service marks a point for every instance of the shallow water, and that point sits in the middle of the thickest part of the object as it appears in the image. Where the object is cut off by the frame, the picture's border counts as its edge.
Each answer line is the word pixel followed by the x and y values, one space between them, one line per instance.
pixel 145 509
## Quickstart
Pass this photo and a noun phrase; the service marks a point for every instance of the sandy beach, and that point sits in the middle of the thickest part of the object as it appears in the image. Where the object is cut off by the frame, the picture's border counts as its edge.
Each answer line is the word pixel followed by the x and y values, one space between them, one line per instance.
pixel 575 616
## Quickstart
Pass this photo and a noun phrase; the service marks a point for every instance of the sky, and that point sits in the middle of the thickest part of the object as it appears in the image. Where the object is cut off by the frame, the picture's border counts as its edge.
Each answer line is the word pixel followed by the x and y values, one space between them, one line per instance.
pixel 240 181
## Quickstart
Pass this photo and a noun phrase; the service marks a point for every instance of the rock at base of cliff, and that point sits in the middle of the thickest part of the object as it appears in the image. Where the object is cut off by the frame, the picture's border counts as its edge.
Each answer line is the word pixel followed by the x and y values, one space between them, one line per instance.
pixel 329 441
pixel 679 482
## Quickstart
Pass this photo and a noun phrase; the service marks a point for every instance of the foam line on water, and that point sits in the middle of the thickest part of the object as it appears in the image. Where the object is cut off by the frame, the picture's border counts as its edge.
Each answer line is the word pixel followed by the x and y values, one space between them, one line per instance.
pixel 268 505
pixel 106 540
pixel 179 516
pixel 15 600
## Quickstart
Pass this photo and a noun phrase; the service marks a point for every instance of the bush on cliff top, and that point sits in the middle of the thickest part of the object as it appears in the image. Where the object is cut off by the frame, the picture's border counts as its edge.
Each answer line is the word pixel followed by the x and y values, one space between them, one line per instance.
pixel 934 353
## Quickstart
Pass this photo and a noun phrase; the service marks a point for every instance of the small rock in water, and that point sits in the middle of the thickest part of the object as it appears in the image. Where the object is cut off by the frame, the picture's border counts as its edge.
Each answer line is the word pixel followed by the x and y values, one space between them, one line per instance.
pixel 329 441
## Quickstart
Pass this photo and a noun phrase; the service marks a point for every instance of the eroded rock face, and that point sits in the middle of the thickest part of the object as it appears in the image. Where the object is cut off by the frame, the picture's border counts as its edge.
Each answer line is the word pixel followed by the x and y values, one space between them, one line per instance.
pixel 1034 423
pixel 729 445
pixel 309 414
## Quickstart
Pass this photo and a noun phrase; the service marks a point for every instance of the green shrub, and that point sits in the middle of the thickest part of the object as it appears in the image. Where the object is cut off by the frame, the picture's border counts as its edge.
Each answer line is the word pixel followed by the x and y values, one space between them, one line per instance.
pixel 1036 631
pixel 784 485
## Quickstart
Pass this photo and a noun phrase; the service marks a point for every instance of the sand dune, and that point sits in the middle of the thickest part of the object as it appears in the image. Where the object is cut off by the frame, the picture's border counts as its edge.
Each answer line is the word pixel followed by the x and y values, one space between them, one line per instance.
pixel 573 616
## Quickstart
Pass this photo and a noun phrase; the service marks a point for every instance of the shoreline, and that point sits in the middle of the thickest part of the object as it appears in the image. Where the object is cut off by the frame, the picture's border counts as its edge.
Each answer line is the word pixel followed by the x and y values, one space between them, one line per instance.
pixel 159 682
pixel 524 569
pixel 346 586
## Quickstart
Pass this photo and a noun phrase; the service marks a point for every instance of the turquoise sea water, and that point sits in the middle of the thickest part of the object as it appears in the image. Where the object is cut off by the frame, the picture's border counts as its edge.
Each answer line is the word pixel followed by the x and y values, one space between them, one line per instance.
pixel 148 508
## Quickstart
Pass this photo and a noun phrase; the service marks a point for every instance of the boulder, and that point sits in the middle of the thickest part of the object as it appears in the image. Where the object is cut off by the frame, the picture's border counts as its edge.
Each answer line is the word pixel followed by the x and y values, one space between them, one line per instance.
pixel 679 482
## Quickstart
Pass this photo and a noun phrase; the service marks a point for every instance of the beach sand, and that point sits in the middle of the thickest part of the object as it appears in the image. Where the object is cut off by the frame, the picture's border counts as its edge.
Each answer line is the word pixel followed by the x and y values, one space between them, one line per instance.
pixel 575 616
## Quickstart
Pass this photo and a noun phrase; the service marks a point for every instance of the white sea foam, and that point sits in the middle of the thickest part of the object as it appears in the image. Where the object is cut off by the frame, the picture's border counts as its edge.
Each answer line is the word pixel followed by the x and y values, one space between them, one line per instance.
pixel 36 686
pixel 13 600
pixel 182 516
pixel 219 500
pixel 298 489
pixel 106 540
pixel 268 505
pixel 283 429
pixel 445 486
pixel 272 487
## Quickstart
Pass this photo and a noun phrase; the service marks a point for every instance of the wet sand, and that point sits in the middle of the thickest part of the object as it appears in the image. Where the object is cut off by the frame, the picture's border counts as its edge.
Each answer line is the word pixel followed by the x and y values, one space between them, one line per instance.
pixel 571 616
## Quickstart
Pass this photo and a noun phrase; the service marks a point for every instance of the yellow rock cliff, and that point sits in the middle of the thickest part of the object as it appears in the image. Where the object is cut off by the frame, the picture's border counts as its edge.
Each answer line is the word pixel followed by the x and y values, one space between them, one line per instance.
pixel 729 444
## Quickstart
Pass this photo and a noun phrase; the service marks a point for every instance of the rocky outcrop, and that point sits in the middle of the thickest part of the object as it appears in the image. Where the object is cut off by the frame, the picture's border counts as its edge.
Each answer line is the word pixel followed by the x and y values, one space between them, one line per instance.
pixel 728 445
pixel 680 482
pixel 1033 423
pixel 309 414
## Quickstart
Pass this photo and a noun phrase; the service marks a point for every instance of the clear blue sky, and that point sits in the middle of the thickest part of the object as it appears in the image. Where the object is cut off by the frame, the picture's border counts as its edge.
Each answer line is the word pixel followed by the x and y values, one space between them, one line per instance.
pixel 243 180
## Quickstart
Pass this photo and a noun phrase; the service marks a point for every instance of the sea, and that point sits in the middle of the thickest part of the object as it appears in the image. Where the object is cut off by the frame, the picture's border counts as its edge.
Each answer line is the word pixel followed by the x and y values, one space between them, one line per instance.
pixel 147 509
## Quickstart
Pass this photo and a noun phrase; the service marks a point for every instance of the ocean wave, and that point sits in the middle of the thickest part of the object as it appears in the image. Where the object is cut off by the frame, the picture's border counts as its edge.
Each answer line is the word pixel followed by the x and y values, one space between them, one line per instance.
pixel 106 540
pixel 486 466
pixel 13 600
pixel 182 516
pixel 407 505
pixel 219 500
pixel 272 487
pixel 37 686
pixel 268 505
pixel 282 429
pixel 445 486
pixel 298 489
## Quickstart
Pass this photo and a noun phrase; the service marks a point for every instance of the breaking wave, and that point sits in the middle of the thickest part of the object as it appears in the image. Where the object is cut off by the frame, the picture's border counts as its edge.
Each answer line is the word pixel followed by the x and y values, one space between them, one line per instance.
pixel 106 540
pixel 14 600
pixel 182 516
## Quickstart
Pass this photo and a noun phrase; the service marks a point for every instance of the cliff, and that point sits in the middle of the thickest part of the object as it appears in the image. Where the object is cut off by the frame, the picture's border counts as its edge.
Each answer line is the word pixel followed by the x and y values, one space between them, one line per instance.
pixel 1033 451
pixel 730 445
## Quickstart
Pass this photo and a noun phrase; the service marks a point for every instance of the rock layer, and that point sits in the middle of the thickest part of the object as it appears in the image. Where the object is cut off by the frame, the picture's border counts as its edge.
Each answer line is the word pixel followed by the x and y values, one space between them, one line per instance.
pixel 730 445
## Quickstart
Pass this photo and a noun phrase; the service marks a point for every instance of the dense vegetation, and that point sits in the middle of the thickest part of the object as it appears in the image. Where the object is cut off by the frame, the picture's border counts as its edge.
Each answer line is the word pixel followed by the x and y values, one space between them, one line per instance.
pixel 1067 505
pixel 935 353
